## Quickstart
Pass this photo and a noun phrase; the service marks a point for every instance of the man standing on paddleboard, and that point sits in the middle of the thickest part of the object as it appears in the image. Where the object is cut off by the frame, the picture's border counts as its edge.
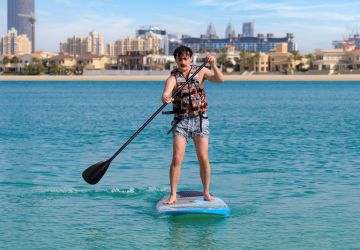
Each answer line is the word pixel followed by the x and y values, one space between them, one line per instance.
pixel 190 117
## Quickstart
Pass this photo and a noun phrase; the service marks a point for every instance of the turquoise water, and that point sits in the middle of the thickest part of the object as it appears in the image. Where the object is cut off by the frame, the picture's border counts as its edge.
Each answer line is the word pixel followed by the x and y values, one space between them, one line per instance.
pixel 285 157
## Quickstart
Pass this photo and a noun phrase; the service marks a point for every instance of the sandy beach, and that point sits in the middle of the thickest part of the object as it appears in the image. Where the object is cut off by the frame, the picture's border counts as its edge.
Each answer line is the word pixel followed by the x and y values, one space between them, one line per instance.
pixel 277 78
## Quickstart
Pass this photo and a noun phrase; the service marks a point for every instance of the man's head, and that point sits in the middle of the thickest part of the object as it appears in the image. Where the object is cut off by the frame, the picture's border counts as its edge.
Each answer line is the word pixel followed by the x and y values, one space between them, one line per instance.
pixel 183 56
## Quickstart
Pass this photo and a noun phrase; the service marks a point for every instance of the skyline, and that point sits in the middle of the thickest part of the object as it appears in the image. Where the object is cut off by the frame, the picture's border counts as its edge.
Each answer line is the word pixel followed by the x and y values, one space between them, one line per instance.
pixel 324 21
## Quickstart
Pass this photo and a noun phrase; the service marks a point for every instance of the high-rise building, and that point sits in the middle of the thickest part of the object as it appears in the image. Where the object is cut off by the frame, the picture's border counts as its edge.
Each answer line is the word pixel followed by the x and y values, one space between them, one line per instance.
pixel 110 49
pixel 211 32
pixel 147 45
pixel 20 16
pixel 248 29
pixel 14 44
pixel 161 34
pixel 230 31
pixel 93 44
pixel 73 46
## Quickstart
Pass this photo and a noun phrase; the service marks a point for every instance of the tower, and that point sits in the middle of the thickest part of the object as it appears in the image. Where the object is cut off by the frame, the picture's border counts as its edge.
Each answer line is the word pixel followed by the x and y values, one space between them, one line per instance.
pixel 20 16
pixel 248 29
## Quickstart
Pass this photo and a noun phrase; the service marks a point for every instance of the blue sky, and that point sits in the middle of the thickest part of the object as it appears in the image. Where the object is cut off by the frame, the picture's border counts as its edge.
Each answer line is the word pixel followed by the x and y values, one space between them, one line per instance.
pixel 315 25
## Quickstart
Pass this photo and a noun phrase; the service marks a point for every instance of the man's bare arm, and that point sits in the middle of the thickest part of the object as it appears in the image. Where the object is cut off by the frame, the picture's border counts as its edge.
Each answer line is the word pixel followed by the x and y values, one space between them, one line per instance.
pixel 168 88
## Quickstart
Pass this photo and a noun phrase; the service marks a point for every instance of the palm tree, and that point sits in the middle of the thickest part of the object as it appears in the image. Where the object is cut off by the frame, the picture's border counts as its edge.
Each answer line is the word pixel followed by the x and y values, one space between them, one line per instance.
pixel 6 60
pixel 311 58
pixel 245 59
pixel 222 60
pixel 296 55
pixel 14 60
pixel 237 64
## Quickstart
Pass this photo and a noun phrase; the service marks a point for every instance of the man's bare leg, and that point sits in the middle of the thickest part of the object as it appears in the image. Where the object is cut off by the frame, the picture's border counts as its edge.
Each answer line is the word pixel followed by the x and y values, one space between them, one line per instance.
pixel 179 146
pixel 202 146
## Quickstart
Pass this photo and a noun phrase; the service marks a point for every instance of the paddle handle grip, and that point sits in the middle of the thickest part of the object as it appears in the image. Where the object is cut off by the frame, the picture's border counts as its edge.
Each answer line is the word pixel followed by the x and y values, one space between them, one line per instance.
pixel 156 113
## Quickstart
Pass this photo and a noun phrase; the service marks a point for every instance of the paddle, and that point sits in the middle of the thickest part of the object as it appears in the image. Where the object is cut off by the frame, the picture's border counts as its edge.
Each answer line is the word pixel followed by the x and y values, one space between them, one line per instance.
pixel 94 173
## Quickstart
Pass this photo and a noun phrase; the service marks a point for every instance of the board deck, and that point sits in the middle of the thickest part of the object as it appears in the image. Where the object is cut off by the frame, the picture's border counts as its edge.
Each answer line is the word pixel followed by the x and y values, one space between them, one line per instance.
pixel 192 202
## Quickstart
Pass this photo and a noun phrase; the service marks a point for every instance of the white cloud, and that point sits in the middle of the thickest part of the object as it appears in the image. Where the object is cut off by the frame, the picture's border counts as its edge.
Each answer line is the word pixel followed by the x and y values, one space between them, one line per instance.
pixel 315 12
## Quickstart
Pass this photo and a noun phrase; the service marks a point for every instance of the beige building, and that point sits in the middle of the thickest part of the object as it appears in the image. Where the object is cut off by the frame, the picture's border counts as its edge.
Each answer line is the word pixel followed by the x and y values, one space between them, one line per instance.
pixel 94 44
pixel 73 46
pixel 157 62
pixel 110 49
pixel 147 45
pixel 337 60
pixel 14 44
pixel 254 62
pixel 64 60
pixel 261 63
pixel 93 62
pixel 23 60
pixel 280 60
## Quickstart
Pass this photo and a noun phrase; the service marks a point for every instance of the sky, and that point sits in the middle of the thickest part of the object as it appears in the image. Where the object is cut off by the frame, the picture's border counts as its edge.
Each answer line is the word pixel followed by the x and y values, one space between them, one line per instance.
pixel 315 24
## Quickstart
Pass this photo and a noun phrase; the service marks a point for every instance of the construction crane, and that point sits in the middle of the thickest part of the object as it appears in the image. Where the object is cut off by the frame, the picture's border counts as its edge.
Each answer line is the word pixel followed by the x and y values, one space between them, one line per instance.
pixel 31 20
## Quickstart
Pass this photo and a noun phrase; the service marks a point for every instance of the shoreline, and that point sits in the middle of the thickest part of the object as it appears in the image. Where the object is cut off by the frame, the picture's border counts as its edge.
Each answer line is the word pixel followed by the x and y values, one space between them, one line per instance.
pixel 237 78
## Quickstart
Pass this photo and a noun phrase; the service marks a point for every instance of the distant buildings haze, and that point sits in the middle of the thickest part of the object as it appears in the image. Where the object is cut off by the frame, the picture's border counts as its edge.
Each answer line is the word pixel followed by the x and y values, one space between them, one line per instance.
pixel 246 41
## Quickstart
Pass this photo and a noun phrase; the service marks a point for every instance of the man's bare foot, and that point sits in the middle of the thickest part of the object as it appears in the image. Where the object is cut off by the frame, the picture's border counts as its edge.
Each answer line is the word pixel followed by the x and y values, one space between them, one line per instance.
pixel 208 197
pixel 170 200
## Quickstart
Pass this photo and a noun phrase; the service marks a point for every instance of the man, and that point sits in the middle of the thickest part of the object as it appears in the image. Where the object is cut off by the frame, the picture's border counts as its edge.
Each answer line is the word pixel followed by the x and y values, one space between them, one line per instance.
pixel 190 118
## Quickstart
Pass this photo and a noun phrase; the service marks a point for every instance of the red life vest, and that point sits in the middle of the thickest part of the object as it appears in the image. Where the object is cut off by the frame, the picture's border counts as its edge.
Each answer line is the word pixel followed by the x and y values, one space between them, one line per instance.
pixel 191 100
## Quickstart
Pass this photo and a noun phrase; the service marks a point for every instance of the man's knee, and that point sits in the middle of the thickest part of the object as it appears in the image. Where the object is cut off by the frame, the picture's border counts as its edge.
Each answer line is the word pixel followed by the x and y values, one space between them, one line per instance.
pixel 203 159
pixel 177 160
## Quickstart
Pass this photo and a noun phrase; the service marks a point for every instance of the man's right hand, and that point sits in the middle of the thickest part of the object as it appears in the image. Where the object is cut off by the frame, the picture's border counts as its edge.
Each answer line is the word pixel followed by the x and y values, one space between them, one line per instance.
pixel 167 99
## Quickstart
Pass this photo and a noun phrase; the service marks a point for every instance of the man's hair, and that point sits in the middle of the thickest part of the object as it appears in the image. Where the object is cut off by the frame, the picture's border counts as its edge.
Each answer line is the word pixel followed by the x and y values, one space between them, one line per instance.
pixel 182 50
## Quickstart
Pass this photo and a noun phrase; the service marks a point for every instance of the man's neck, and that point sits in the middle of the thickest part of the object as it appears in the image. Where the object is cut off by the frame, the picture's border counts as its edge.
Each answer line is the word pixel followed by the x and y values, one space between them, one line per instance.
pixel 186 71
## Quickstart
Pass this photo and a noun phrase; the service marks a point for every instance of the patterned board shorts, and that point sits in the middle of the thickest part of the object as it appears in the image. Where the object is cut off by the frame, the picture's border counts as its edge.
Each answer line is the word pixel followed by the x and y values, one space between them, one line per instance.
pixel 189 127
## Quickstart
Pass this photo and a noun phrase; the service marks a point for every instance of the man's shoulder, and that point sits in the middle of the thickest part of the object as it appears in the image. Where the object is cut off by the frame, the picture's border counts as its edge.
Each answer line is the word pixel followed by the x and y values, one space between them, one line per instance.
pixel 170 78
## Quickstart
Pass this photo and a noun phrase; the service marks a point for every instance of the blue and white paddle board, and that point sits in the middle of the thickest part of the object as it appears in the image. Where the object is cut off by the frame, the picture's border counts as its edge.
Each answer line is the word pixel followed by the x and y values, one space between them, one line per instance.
pixel 192 202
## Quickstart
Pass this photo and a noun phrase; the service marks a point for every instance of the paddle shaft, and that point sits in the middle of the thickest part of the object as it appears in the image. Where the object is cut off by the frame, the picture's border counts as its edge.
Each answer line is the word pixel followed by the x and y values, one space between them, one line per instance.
pixel 155 114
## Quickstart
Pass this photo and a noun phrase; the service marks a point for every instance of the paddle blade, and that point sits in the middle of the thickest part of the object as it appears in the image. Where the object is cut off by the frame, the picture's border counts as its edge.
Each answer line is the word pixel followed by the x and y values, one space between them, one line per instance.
pixel 94 173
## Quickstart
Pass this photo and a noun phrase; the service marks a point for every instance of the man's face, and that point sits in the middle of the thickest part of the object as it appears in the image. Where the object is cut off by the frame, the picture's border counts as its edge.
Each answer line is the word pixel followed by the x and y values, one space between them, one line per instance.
pixel 183 61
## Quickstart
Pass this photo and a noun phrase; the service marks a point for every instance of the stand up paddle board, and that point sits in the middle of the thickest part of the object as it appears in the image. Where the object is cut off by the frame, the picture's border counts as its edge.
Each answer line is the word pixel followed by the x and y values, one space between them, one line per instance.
pixel 192 202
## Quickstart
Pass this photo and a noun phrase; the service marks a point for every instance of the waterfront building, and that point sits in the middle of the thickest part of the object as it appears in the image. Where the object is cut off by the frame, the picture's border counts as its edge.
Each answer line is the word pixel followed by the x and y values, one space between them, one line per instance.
pixel 143 61
pixel 280 60
pixel 14 44
pixel 158 62
pixel 94 62
pixel 23 60
pixel 248 29
pixel 337 60
pixel 65 60
pixel 254 62
pixel 20 16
